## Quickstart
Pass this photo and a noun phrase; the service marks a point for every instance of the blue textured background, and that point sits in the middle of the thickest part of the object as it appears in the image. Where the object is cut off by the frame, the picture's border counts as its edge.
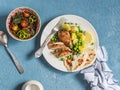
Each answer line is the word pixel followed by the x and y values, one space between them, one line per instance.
pixel 103 14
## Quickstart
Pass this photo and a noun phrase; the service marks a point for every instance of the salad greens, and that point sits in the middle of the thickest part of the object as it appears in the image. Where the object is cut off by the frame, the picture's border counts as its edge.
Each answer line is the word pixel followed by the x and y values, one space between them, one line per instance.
pixel 23 25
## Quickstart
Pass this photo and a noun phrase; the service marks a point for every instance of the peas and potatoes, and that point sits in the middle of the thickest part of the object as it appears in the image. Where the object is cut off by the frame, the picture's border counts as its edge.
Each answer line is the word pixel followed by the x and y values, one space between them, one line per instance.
pixel 78 37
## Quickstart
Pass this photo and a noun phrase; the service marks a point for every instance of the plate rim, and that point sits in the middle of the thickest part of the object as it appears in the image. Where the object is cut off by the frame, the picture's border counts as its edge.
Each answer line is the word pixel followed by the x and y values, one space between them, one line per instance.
pixel 71 15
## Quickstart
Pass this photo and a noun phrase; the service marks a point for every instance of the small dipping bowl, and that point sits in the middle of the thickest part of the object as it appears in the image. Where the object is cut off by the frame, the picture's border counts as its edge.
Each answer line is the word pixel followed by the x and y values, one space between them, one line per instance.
pixel 32 85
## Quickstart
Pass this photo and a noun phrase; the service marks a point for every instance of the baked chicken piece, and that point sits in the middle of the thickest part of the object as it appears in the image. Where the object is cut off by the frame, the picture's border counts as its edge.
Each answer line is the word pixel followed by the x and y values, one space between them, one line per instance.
pixel 64 36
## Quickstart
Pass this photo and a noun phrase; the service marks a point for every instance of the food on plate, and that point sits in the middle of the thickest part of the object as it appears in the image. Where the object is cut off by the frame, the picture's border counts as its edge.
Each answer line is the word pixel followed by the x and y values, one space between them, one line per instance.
pixel 23 25
pixel 91 54
pixel 78 61
pixel 64 36
pixel 62 52
pixel 55 45
pixel 88 38
pixel 81 60
pixel 73 46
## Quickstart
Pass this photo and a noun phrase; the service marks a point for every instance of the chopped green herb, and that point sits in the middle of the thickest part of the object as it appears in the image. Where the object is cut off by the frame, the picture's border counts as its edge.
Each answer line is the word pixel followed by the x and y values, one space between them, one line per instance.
pixel 78 28
pixel 92 43
pixel 76 24
pixel 65 22
pixel 71 47
pixel 84 32
pixel 77 33
pixel 70 56
pixel 70 23
pixel 62 59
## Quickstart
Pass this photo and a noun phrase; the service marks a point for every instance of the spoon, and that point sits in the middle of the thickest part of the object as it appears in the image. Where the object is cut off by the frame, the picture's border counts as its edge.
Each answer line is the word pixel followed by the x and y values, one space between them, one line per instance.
pixel 3 41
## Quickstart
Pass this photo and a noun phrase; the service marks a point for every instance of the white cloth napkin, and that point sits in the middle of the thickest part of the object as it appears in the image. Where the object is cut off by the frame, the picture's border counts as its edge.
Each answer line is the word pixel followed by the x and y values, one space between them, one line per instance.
pixel 99 75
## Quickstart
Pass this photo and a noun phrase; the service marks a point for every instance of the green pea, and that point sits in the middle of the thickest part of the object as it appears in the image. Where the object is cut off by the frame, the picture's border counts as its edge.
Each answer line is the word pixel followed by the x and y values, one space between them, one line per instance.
pixel 52 39
pixel 69 56
pixel 71 47
pixel 92 43
pixel 62 59
pixel 75 48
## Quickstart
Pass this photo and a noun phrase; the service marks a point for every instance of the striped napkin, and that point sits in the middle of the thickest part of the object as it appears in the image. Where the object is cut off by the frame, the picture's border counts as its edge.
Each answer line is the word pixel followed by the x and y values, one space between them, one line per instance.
pixel 99 75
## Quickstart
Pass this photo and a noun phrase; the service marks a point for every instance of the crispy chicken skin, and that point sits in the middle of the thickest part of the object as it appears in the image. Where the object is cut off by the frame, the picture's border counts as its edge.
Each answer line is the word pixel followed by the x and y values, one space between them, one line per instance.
pixel 59 48
pixel 65 51
pixel 62 52
pixel 64 36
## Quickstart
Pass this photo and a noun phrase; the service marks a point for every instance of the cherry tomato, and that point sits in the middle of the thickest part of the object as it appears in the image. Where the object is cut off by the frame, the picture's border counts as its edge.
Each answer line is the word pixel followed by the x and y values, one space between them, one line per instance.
pixel 24 23
pixel 25 14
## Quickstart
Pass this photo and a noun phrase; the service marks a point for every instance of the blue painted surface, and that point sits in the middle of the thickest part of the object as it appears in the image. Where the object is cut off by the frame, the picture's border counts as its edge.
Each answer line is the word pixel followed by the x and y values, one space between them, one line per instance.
pixel 103 14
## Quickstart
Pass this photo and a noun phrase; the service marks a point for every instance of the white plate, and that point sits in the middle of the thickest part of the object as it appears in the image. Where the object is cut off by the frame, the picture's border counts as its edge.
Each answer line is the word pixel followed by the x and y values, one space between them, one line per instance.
pixel 84 24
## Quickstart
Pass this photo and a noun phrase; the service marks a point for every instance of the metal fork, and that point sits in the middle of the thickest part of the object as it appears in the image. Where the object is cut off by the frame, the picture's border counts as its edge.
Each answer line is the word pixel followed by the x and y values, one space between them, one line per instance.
pixel 38 53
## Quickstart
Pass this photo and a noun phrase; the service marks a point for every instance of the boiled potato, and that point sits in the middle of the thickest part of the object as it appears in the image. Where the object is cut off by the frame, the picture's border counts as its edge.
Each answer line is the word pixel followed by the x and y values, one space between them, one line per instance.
pixel 73 36
pixel 81 36
pixel 74 28
pixel 75 41
pixel 66 27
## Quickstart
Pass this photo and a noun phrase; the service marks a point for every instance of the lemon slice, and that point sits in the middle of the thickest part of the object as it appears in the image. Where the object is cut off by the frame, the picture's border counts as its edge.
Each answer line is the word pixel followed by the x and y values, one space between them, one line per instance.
pixel 88 38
